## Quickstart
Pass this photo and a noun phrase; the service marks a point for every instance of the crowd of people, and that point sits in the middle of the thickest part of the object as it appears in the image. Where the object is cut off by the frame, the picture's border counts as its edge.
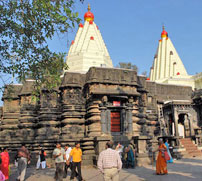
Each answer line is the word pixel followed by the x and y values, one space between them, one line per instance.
pixel 110 161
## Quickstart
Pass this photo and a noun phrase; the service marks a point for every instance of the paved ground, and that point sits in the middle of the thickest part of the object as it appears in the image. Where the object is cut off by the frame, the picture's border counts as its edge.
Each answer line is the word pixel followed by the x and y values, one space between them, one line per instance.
pixel 181 170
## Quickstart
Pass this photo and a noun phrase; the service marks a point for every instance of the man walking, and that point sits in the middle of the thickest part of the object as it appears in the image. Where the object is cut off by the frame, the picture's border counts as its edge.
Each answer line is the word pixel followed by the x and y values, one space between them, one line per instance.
pixel 76 155
pixel 59 156
pixel 109 163
pixel 67 152
pixel 23 159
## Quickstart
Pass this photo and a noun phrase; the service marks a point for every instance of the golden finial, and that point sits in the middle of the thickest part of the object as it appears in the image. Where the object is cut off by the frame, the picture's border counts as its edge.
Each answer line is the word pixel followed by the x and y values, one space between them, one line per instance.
pixel 88 7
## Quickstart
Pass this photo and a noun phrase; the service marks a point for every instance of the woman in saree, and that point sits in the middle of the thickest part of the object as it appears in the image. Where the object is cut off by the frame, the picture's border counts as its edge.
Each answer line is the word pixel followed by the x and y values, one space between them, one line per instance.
pixel 161 165
pixel 167 146
pixel 130 160
pixel 5 163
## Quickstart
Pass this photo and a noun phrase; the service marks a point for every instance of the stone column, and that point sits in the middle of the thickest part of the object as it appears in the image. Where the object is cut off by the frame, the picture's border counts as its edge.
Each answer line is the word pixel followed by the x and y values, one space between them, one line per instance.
pixel 167 124
pixel 103 119
pixel 124 123
pixel 191 124
pixel 176 121
pixel 108 122
pixel 143 157
pixel 129 120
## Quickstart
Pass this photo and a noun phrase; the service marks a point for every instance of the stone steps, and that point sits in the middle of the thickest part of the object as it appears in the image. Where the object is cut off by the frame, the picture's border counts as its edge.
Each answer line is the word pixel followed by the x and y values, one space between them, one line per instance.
pixel 191 148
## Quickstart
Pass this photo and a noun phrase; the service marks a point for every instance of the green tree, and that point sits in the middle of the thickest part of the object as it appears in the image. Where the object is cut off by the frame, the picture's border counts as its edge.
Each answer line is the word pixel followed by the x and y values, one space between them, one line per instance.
pixel 127 65
pixel 25 27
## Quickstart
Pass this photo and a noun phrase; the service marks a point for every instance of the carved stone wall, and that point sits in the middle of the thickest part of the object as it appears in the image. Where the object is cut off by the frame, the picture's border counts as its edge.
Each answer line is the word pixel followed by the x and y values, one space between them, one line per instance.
pixel 80 110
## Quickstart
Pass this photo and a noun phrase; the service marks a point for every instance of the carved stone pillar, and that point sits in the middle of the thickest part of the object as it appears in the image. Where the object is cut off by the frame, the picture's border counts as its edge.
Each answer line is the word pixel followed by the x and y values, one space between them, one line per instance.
pixel 191 124
pixel 167 124
pixel 129 120
pixel 103 119
pixel 176 121
pixel 124 123
pixel 108 121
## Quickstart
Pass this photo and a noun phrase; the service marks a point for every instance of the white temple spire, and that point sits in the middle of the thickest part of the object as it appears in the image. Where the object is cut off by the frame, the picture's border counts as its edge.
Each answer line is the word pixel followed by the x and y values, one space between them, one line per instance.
pixel 88 49
pixel 167 62
pixel 167 66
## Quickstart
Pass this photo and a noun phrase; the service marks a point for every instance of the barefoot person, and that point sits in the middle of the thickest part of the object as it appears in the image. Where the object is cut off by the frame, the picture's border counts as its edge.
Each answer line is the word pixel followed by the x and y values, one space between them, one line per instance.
pixel 161 165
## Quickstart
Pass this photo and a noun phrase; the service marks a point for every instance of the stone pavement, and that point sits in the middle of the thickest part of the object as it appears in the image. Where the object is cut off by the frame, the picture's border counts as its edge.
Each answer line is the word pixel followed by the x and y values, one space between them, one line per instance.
pixel 182 170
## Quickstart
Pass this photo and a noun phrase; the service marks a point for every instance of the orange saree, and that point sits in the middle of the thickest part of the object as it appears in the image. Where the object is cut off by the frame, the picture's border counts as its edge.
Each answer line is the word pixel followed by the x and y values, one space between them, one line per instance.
pixel 161 165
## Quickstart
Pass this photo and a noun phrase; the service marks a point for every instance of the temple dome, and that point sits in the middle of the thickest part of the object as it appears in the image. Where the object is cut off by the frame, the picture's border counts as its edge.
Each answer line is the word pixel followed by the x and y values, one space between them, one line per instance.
pixel 88 16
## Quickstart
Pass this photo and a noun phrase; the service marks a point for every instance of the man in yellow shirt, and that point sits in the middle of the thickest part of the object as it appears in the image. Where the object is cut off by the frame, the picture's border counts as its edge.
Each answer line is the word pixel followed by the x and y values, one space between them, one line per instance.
pixel 76 155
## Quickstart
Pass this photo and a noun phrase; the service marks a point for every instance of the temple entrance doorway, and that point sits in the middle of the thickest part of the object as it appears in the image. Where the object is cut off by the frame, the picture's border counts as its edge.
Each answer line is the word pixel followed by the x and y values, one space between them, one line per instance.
pixel 181 126
pixel 115 122
pixel 171 125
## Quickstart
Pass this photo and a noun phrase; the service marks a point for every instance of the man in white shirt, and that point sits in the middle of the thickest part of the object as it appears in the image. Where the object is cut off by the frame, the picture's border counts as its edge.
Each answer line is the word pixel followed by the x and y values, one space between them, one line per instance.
pixel 67 152
pixel 59 156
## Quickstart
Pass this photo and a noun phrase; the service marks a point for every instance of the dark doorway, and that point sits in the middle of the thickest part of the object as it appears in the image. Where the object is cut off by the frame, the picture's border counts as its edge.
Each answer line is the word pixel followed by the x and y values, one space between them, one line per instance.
pixel 115 122
pixel 171 125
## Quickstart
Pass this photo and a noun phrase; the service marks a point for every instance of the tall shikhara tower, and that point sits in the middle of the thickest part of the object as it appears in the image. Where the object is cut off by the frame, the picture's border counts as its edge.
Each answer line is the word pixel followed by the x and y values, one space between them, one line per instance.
pixel 167 66
pixel 88 49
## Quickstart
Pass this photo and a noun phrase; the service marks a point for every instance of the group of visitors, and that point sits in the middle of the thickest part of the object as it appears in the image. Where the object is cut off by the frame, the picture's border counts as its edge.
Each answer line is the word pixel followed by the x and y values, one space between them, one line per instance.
pixel 127 154
pixel 23 158
pixel 64 159
pixel 68 158
pixel 110 161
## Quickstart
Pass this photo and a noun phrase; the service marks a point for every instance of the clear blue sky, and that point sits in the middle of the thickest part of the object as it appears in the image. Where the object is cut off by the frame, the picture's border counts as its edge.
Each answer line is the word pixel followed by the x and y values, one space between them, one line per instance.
pixel 131 30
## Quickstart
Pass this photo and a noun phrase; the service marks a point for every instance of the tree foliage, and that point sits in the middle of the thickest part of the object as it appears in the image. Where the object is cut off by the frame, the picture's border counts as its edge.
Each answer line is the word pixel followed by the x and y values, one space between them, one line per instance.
pixel 25 27
pixel 127 65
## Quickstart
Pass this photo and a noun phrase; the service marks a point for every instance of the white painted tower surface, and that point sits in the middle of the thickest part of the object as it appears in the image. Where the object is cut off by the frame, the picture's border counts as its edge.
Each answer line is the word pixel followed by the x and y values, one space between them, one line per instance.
pixel 88 49
pixel 167 66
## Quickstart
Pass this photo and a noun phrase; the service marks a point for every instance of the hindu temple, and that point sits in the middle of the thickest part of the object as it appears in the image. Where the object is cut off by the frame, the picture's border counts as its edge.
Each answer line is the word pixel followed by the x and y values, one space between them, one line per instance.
pixel 96 103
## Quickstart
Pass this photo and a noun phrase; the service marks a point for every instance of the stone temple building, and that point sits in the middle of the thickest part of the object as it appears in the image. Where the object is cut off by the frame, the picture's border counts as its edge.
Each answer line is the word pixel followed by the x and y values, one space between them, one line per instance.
pixel 96 103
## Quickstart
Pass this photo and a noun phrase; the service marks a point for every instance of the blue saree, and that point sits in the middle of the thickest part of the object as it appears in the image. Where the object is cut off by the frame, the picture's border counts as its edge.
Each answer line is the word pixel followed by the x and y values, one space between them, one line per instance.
pixel 171 159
